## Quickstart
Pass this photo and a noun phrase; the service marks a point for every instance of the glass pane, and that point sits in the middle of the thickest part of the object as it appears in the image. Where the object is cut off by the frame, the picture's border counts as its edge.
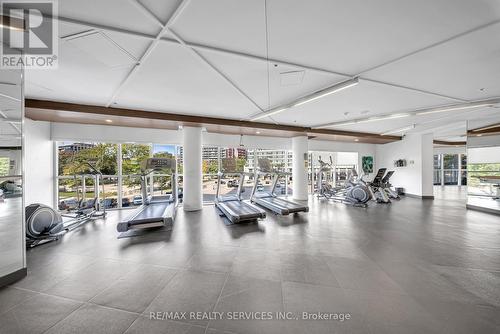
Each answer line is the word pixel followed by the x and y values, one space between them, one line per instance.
pixel 450 161
pixel 437 161
pixel 132 157
pixel 162 184
pixel 163 151
pixel 479 186
pixel 131 191
pixel 110 197
pixel 209 187
pixel 73 157
pixel 437 177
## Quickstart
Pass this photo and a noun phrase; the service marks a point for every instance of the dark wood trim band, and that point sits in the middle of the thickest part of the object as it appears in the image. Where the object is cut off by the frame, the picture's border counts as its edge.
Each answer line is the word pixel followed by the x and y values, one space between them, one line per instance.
pixel 450 143
pixel 489 129
pixel 190 119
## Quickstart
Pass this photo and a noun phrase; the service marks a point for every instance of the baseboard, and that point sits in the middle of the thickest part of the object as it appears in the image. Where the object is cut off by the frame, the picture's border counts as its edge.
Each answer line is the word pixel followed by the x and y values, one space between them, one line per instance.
pixel 420 197
pixel 482 209
pixel 13 277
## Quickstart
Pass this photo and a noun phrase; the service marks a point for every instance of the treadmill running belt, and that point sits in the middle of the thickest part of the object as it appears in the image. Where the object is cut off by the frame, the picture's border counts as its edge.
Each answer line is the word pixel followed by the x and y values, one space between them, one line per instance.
pixel 283 203
pixel 241 208
pixel 151 213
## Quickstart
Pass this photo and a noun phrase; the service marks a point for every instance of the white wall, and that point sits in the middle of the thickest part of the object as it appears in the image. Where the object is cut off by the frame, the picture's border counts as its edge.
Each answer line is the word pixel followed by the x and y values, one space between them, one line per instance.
pixel 113 134
pixel 483 141
pixel 484 155
pixel 39 164
pixel 360 148
pixel 450 150
pixel 416 177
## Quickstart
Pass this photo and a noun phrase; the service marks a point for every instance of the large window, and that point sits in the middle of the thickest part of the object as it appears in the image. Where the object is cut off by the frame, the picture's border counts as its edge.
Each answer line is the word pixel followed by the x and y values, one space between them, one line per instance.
pixel 450 169
pixel 76 182
pixel 132 156
pixel 121 168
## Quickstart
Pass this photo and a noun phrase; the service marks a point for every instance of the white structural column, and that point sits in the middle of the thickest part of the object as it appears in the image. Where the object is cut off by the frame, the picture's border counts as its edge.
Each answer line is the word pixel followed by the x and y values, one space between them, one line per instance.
pixel 299 167
pixel 192 176
pixel 427 158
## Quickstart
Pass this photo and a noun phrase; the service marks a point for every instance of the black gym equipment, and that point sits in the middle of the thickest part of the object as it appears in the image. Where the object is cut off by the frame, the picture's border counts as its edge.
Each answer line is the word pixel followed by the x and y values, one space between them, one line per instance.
pixel 232 206
pixel 44 224
pixel 156 210
pixel 353 193
pixel 377 187
pixel 269 199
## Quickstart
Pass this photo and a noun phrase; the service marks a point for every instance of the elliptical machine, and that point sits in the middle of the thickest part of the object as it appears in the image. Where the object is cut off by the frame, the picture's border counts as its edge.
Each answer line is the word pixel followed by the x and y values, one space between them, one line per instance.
pixel 44 224
pixel 354 193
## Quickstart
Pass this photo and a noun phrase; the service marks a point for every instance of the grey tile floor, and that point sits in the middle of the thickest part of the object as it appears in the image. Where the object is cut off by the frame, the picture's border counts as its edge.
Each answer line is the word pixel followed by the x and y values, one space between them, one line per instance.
pixel 410 267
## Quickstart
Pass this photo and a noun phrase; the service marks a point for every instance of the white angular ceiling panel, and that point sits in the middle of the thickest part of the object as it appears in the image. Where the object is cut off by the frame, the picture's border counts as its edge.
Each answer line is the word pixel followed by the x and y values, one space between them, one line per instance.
pixel 467 67
pixel 351 36
pixel 251 75
pixel 174 80
pixel 79 79
pixel 234 25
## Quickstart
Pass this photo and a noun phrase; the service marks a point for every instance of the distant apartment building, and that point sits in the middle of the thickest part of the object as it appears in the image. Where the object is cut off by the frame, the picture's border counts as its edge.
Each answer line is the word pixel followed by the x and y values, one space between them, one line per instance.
pixel 75 147
pixel 209 153
pixel 240 153
pixel 280 159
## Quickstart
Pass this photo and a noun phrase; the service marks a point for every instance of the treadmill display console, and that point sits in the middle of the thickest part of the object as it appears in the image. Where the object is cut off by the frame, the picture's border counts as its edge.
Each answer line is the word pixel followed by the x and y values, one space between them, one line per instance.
pixel 160 163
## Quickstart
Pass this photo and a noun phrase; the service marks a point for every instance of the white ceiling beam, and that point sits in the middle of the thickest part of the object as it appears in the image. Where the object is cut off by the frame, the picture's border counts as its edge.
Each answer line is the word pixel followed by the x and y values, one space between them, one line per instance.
pixel 449 39
pixel 15 128
pixel 147 12
pixel 11 120
pixel 103 27
pixel 10 97
pixel 146 54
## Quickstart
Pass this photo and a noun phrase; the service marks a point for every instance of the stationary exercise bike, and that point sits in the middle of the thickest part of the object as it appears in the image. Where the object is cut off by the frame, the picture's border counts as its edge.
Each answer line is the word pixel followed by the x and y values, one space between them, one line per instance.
pixel 44 224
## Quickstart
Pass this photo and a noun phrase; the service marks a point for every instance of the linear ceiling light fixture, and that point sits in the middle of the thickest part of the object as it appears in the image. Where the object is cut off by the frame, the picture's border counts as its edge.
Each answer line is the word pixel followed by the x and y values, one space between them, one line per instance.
pixel 419 112
pixel 363 120
pixel 462 106
pixel 306 99
pixel 406 128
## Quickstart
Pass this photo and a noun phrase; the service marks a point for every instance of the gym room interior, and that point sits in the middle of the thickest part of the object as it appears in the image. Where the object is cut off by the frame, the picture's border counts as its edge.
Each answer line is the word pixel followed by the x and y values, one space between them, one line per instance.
pixel 249 166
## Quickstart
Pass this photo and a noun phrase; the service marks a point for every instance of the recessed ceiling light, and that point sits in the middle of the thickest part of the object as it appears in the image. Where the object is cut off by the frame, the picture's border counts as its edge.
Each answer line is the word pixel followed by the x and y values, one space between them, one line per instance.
pixel 356 139
pixel 257 132
pixel 109 121
pixel 479 135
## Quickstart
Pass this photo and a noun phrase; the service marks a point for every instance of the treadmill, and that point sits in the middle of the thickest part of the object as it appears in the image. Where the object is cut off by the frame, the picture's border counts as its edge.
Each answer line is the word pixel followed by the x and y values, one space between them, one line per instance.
pixel 232 206
pixel 156 211
pixel 270 200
